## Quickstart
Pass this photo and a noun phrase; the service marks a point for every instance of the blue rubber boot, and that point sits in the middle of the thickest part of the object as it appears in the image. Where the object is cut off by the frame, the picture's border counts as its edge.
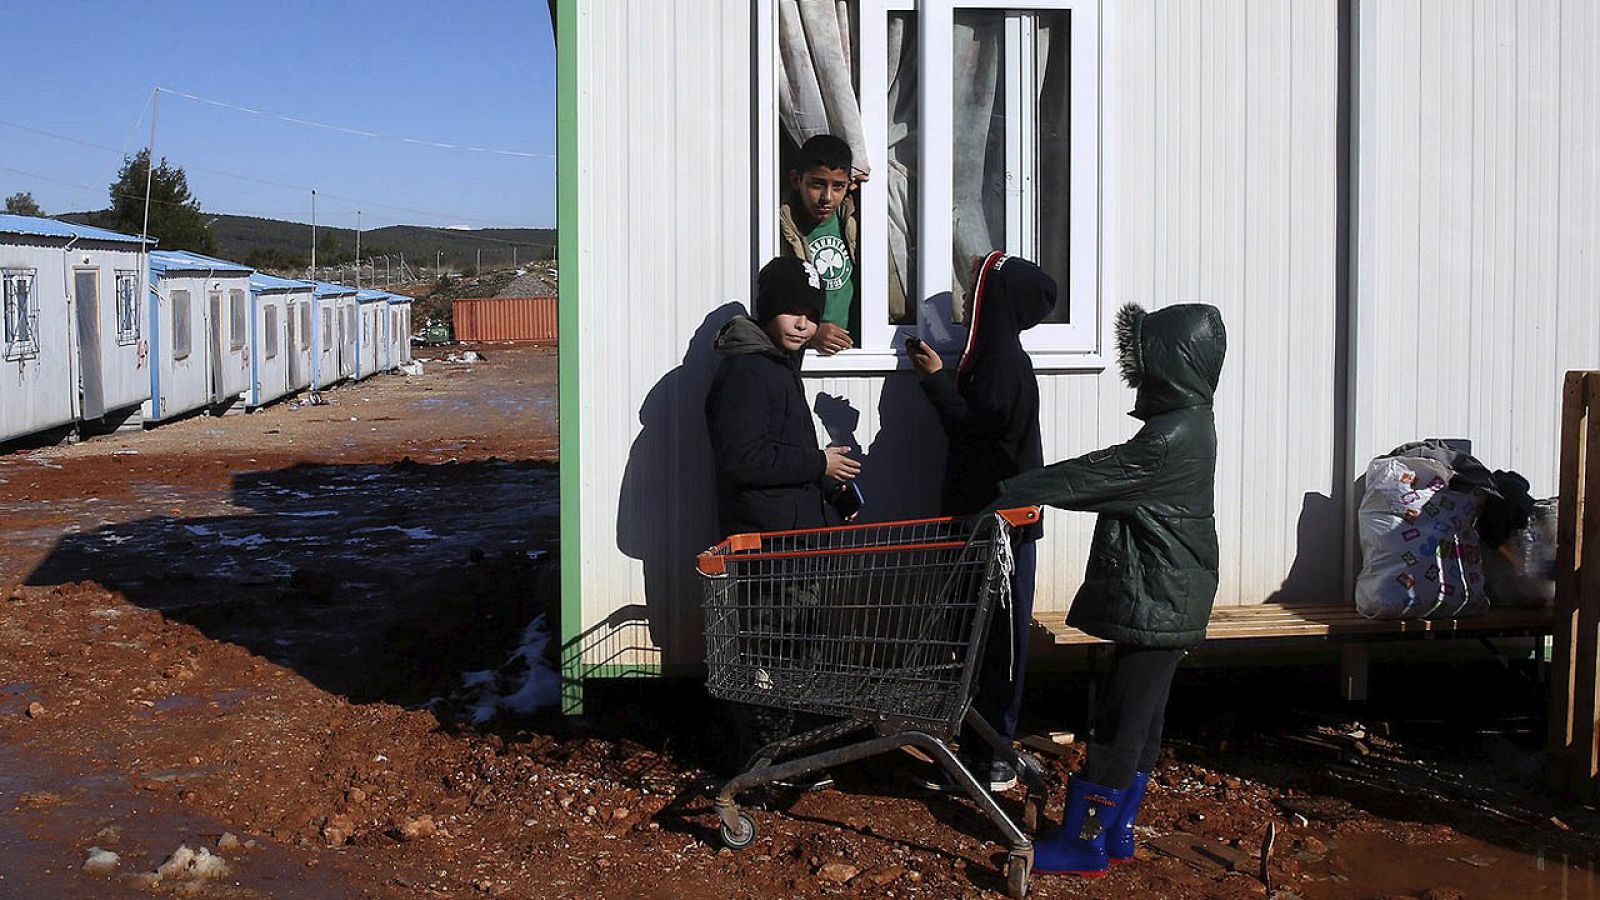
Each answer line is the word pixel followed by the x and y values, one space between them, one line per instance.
pixel 1079 848
pixel 1119 835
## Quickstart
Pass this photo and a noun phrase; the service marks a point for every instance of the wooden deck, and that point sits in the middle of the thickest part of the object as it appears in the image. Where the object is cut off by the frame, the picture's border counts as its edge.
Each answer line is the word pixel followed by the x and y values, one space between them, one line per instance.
pixel 1340 620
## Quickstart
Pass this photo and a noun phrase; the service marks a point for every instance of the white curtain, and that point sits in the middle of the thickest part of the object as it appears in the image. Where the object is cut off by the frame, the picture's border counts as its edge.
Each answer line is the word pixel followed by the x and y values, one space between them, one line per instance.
pixel 816 83
pixel 979 218
pixel 902 163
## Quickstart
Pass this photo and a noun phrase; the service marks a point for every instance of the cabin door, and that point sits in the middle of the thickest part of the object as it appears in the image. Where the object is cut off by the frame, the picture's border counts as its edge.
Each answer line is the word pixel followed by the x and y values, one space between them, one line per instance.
pixel 293 346
pixel 86 301
pixel 214 333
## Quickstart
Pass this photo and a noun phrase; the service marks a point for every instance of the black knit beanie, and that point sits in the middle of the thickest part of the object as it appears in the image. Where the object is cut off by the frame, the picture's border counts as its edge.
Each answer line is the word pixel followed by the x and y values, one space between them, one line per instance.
pixel 787 285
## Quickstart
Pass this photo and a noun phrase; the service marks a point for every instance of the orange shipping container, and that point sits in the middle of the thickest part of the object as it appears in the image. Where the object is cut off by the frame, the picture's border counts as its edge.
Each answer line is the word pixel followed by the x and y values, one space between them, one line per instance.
pixel 505 319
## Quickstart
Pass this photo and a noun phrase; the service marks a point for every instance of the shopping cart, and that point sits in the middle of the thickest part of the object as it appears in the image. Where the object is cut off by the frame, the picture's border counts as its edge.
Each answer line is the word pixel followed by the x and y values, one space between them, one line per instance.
pixel 879 627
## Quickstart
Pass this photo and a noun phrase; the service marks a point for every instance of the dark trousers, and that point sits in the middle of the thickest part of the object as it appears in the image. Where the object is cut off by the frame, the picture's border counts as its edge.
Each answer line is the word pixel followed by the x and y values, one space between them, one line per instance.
pixel 1005 655
pixel 1133 704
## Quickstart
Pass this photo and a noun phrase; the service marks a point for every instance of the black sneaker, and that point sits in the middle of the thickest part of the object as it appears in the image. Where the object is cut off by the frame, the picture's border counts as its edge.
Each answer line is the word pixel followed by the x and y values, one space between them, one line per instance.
pixel 1001 778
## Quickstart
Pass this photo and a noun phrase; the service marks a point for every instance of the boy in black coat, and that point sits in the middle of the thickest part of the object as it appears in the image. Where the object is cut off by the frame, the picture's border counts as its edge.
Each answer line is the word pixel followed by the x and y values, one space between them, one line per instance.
pixel 770 472
pixel 989 408
pixel 771 475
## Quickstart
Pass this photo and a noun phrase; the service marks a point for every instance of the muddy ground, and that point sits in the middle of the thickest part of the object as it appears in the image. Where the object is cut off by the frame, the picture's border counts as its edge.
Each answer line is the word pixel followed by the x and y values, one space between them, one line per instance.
pixel 225 633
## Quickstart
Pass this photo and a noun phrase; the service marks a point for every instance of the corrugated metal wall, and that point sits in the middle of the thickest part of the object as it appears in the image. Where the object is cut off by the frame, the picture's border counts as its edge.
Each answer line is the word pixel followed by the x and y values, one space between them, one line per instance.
pixel 1478 215
pixel 1477 202
pixel 505 319
pixel 659 255
pixel 1221 184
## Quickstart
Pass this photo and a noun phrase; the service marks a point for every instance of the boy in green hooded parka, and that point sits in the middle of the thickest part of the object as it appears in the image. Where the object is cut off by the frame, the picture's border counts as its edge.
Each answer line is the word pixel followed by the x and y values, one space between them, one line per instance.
pixel 1152 572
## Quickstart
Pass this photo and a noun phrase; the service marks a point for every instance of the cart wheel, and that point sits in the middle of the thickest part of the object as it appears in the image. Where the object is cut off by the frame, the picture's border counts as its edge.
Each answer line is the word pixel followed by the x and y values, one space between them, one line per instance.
pixel 743 836
pixel 1017 871
pixel 1032 810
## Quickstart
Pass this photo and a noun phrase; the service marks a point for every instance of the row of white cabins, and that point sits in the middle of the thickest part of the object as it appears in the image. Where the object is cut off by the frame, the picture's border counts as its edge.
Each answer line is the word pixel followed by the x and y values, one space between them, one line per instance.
pixel 101 331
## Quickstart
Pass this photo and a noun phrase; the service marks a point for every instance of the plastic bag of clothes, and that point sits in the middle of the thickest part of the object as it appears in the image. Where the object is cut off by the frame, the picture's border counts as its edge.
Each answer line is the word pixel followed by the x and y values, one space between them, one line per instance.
pixel 1419 539
pixel 1521 572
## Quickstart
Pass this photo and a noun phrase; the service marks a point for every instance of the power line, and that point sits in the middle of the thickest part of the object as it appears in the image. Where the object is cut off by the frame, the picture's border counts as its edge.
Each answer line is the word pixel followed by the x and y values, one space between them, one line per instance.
pixel 356 202
pixel 357 131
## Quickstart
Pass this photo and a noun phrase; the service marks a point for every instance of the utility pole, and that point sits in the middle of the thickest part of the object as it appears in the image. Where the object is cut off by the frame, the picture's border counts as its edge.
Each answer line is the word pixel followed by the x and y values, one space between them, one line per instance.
pixel 438 263
pixel 358 249
pixel 478 269
pixel 513 256
pixel 150 170
pixel 313 234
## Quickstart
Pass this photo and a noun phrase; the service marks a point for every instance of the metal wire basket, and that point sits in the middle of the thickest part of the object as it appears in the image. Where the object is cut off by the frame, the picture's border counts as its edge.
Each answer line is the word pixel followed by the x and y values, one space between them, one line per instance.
pixel 881 625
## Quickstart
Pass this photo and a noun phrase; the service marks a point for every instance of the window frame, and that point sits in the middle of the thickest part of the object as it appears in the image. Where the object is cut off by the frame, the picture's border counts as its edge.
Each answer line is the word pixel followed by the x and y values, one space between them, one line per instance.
pixel 304 312
pixel 238 320
pixel 269 327
pixel 1078 345
pixel 18 349
pixel 184 335
pixel 127 306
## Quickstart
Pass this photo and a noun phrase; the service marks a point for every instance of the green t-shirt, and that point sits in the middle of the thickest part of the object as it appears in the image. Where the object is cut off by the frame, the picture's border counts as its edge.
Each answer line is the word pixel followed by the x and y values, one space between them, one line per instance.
pixel 831 258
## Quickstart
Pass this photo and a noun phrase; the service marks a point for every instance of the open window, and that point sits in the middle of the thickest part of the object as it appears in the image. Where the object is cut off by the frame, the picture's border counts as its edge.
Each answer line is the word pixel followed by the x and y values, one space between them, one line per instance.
pixel 978 124
pixel 20 307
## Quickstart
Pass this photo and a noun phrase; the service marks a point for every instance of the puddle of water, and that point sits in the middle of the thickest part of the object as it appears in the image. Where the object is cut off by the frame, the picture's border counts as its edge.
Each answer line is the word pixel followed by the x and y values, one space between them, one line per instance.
pixel 1379 865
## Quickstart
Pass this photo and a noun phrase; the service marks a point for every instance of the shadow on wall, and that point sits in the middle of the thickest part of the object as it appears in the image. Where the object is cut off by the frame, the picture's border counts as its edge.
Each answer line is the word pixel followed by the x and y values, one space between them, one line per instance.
pixel 902 469
pixel 1316 576
pixel 667 508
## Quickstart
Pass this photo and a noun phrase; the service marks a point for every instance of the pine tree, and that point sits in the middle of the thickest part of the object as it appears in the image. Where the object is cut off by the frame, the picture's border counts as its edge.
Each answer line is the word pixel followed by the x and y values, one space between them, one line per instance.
pixel 175 216
pixel 22 204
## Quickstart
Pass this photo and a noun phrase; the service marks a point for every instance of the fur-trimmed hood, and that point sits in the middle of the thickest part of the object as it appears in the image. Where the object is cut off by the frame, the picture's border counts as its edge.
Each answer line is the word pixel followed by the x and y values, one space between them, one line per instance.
pixel 1172 357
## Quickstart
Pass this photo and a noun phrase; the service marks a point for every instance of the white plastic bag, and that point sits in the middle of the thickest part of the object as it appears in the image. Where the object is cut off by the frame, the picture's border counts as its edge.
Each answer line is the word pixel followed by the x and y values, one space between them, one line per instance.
pixel 1419 540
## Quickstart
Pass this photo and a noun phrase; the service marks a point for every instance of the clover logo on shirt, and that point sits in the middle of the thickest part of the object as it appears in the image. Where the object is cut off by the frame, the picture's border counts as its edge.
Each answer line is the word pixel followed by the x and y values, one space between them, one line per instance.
pixel 832 260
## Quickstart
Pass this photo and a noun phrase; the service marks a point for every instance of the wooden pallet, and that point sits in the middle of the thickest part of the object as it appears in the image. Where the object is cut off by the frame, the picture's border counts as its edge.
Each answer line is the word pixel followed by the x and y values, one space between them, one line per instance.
pixel 1337 620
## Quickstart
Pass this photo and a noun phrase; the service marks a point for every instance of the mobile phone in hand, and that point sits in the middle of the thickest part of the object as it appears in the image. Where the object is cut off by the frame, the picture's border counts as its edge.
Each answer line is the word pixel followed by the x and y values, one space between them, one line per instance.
pixel 847 500
pixel 913 344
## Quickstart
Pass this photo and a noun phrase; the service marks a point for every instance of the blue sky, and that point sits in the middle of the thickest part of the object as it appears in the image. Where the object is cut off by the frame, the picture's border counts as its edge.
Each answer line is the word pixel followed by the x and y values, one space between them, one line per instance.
pixel 470 72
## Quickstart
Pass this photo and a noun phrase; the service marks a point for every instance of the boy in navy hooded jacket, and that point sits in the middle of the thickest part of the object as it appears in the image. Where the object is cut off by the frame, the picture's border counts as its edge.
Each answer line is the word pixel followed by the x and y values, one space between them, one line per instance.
pixel 989 408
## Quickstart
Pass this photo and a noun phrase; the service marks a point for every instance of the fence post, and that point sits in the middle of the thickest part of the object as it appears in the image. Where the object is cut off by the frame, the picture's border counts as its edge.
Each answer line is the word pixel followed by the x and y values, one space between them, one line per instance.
pixel 1574 726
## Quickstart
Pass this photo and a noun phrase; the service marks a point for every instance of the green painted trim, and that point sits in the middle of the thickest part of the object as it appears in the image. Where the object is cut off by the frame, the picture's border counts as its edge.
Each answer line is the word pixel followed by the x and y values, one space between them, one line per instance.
pixel 566 36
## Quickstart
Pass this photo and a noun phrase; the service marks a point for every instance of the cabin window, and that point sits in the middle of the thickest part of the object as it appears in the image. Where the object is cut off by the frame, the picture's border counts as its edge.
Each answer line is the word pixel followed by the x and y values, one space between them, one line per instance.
pixel 127 307
pixel 238 318
pixel 181 317
pixel 349 326
pixel 21 309
pixel 305 326
pixel 271 323
pixel 986 139
pixel 327 330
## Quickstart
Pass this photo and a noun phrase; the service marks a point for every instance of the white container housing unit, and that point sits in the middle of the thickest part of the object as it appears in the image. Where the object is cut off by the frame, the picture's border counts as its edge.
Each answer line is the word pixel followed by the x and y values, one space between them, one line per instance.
pixel 1395 205
pixel 349 335
pixel 72 342
pixel 399 330
pixel 275 337
pixel 369 339
pixel 327 333
pixel 302 327
pixel 200 333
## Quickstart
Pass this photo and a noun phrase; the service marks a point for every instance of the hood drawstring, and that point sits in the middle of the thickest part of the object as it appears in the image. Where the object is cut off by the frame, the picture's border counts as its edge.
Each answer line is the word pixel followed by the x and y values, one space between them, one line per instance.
pixel 1005 565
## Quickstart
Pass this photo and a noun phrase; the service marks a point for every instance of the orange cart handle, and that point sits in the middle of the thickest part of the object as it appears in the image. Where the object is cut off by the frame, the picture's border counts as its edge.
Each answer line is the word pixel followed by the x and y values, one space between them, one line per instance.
pixel 715 560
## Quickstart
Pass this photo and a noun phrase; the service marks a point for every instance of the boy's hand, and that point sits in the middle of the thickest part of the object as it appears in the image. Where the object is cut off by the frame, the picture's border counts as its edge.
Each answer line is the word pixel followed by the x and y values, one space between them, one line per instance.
pixel 840 466
pixel 924 358
pixel 830 339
